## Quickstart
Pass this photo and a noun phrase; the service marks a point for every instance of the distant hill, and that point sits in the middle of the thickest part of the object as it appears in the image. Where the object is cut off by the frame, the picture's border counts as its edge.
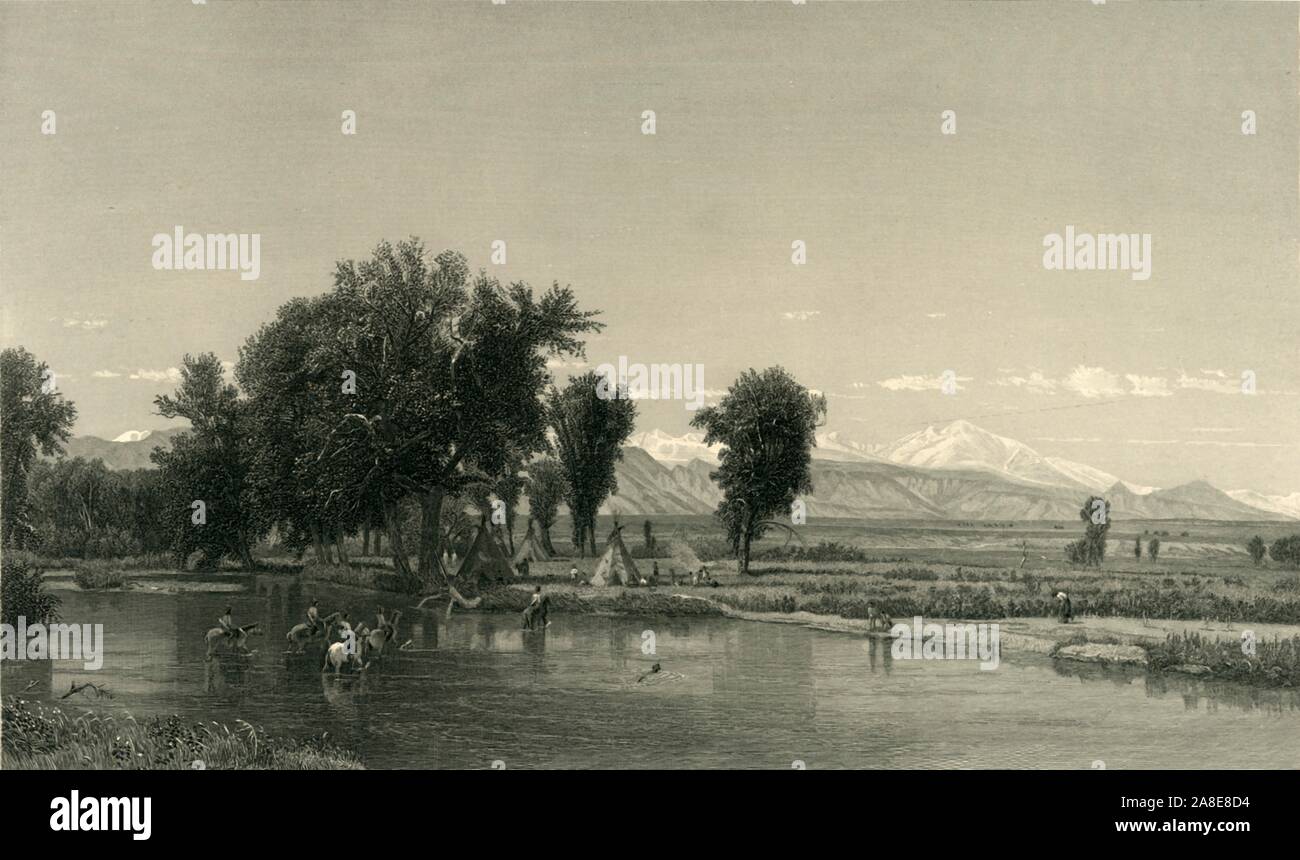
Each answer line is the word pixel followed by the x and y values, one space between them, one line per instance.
pixel 132 453
pixel 953 471
pixel 957 471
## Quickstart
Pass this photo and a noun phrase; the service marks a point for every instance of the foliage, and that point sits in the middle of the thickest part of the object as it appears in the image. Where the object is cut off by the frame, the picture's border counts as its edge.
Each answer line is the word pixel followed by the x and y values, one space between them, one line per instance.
pixel 1286 551
pixel 209 464
pixel 1256 549
pixel 36 419
pixel 22 593
pixel 766 424
pixel 591 423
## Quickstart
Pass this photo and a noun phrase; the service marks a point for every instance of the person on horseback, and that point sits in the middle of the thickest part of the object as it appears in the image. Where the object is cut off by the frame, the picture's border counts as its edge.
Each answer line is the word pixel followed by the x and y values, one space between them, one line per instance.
pixel 228 625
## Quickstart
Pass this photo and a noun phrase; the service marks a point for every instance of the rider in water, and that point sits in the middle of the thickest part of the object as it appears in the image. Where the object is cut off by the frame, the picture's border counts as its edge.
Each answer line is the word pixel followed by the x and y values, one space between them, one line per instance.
pixel 227 624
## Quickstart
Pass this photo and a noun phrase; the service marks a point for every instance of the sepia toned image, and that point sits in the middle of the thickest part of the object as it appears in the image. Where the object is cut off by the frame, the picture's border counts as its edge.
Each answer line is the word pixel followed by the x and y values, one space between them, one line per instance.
pixel 649 386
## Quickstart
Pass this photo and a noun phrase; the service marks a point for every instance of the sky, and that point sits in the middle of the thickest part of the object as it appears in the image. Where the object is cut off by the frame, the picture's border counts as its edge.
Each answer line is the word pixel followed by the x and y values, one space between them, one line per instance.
pixel 774 123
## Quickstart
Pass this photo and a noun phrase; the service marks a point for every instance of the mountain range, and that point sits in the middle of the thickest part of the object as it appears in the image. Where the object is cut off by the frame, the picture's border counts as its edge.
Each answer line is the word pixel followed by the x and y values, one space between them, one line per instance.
pixel 951 471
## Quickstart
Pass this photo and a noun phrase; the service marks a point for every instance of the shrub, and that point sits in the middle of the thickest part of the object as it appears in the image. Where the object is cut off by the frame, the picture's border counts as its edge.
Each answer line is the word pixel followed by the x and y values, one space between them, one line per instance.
pixel 93 578
pixel 1286 551
pixel 22 593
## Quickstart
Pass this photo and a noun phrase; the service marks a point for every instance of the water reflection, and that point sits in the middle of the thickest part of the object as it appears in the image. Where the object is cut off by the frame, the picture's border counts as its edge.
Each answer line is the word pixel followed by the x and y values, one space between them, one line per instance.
pixel 474 687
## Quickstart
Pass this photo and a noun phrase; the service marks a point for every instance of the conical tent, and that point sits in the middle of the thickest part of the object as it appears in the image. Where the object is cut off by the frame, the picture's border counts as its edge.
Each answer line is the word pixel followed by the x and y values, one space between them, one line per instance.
pixel 616 565
pixel 531 549
pixel 486 559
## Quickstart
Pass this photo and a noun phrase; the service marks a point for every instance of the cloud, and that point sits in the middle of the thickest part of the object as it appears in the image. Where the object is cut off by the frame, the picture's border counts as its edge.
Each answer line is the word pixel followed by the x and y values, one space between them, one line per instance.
pixel 85 325
pixel 105 374
pixel 919 383
pixel 1218 373
pixel 1035 382
pixel 936 316
pixel 556 363
pixel 1219 386
pixel 1216 429
pixel 1066 439
pixel 171 374
pixel 801 316
pixel 1148 386
pixel 1093 382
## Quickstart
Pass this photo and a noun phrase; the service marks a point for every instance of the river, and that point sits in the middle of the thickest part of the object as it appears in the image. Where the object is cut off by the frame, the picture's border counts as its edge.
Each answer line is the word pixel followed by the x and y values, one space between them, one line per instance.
pixel 477 692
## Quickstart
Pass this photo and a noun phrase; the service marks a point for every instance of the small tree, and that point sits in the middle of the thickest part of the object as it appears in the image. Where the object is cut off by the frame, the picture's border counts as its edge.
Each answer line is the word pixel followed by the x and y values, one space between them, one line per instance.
pixel 591 423
pixel 1137 548
pixel 1256 549
pixel 1092 547
pixel 546 489
pixel 766 424
pixel 1153 549
pixel 649 537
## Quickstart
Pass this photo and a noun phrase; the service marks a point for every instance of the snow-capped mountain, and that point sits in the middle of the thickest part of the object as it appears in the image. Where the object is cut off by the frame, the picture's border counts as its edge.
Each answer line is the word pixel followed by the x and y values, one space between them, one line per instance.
pixel 955 470
pixel 674 449
pixel 133 436
pixel 962 445
pixel 1287 505
pixel 833 446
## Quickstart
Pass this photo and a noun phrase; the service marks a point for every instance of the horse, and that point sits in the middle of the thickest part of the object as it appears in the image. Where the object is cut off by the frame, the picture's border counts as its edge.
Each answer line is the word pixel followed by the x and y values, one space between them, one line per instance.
pixel 537 612
pixel 374 640
pixel 235 640
pixel 301 634
pixel 337 655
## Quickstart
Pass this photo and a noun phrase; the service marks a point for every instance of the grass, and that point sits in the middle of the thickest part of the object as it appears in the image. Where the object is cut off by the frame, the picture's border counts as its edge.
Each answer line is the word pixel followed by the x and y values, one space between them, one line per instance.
pixel 1274 662
pixel 38 738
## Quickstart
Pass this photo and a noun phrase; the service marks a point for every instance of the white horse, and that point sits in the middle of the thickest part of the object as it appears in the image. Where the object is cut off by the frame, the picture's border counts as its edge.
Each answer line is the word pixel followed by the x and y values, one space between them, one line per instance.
pixel 338 656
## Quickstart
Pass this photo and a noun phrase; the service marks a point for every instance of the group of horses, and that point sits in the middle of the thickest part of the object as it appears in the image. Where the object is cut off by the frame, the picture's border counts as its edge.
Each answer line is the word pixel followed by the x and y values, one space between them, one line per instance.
pixel 344 645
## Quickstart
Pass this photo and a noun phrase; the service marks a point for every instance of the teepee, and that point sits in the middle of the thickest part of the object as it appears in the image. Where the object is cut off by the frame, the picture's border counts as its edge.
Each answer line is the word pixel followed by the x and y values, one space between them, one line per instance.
pixel 616 565
pixel 486 560
pixel 531 548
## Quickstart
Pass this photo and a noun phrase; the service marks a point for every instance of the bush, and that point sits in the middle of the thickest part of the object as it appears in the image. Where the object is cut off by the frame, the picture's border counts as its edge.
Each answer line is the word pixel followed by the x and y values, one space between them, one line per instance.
pixel 22 593
pixel 1286 551
pixel 93 578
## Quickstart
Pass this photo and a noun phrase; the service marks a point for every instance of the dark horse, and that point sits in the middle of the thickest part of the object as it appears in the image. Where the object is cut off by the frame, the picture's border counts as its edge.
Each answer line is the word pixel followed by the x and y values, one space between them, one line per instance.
pixel 535 614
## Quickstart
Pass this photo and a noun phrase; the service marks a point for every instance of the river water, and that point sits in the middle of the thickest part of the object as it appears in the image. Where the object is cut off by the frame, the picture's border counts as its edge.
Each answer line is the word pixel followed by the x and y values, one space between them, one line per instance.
pixel 476 690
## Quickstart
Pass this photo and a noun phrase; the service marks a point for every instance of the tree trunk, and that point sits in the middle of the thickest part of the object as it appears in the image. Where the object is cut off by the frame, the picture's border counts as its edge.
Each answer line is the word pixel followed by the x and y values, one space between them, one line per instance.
pixel 745 538
pixel 430 534
pixel 340 548
pixel 393 526
pixel 546 539
pixel 318 544
pixel 591 535
pixel 365 540
pixel 379 540
pixel 245 552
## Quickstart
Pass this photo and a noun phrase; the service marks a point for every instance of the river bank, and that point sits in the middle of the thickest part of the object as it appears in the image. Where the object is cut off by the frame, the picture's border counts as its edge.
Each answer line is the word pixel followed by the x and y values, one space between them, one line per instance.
pixel 38 737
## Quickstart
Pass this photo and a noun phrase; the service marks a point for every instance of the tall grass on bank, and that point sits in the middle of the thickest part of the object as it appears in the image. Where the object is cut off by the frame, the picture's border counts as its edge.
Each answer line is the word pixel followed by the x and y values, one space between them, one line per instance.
pixel 97 578
pixel 1276 662
pixel 907 591
pixel 39 738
